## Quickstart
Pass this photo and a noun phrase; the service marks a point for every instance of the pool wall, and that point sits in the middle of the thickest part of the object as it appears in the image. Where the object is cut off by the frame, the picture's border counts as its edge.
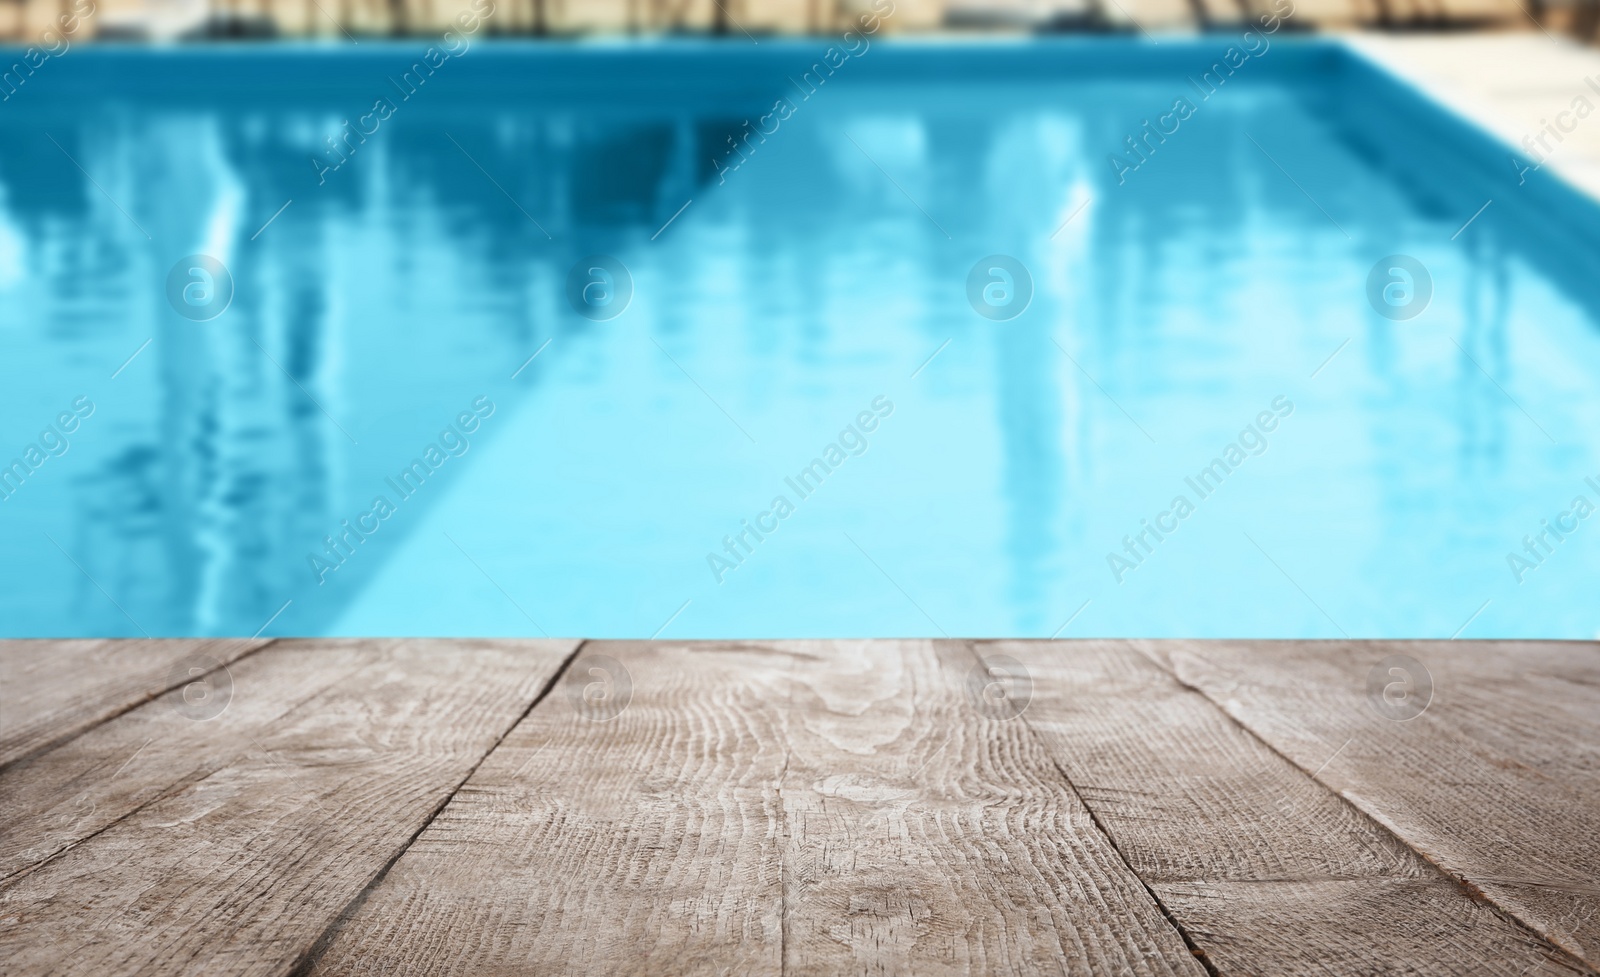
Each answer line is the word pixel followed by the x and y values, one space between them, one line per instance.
pixel 1452 161
pixel 1447 163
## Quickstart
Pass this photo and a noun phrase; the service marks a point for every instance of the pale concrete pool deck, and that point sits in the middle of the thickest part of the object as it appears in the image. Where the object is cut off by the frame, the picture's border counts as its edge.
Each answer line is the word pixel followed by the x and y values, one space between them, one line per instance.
pixel 1512 85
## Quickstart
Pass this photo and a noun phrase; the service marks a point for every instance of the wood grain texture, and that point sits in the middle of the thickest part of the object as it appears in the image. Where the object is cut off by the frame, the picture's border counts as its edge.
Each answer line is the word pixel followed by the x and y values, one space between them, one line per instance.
pixel 376 807
pixel 645 843
pixel 57 798
pixel 804 807
pixel 930 834
pixel 1495 782
pixel 1266 870
pixel 51 691
pixel 241 870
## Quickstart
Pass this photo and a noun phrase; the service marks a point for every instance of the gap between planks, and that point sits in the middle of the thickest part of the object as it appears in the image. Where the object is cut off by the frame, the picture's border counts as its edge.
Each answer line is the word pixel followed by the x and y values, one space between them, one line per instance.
pixel 602 860
pixel 308 959
pixel 438 713
pixel 1202 702
pixel 70 734
pixel 1178 865
pixel 1354 879
pixel 1467 888
pixel 1444 845
pixel 1110 839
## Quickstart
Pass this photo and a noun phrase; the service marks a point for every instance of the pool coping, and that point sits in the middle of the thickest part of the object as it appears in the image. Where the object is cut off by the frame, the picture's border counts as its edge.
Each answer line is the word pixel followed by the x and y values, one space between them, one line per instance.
pixel 1458 72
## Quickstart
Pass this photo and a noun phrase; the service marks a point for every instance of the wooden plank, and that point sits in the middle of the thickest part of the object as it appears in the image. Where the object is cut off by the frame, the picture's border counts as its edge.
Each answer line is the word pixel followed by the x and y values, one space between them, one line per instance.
pixel 57 798
pixel 1264 868
pixel 240 871
pixel 1497 781
pixel 930 836
pixel 588 843
pixel 804 807
pixel 51 691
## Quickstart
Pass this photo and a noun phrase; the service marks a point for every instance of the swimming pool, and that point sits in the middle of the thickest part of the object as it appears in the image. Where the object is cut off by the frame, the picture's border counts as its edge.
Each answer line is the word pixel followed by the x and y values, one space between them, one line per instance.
pixel 605 341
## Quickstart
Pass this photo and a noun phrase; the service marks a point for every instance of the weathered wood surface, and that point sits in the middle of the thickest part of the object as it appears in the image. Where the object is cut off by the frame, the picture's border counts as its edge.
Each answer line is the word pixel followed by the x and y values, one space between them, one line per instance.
pixel 1496 781
pixel 804 807
pixel 403 807
pixel 929 832
pixel 53 690
pixel 241 870
pixel 1265 869
pixel 636 834
pixel 59 798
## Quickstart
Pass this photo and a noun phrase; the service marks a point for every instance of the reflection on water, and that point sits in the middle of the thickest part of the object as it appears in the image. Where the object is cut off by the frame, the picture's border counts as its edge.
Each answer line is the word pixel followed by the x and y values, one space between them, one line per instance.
pixel 225 464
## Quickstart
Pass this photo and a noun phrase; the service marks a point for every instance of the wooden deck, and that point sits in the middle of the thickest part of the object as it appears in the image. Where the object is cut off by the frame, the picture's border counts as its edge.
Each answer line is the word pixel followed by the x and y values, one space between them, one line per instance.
pixel 484 808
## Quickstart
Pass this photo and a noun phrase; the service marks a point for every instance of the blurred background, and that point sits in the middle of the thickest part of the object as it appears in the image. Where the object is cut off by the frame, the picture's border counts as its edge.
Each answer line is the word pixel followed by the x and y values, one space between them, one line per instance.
pixel 798 224
pixel 352 19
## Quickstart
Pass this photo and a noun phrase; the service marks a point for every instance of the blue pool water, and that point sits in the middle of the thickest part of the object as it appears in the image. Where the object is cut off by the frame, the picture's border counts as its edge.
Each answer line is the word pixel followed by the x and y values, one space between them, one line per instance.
pixel 805 300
